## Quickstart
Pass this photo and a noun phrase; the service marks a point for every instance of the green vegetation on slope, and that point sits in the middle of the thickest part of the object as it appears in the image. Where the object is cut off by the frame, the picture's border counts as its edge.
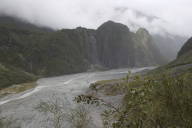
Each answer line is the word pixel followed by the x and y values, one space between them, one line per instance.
pixel 182 64
pixel 161 98
pixel 161 101
pixel 43 52
pixel 164 102
pixel 10 76
pixel 187 47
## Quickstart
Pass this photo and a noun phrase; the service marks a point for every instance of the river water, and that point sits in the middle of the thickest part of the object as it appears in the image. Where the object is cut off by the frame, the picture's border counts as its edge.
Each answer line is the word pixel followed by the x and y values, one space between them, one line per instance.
pixel 20 108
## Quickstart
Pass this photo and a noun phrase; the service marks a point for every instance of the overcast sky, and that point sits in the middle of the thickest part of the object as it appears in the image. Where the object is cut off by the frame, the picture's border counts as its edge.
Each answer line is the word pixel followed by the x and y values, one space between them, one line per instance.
pixel 173 16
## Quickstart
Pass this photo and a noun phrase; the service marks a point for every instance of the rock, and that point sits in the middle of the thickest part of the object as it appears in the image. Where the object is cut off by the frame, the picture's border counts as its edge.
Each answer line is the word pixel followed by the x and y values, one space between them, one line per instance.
pixel 114 44
pixel 187 47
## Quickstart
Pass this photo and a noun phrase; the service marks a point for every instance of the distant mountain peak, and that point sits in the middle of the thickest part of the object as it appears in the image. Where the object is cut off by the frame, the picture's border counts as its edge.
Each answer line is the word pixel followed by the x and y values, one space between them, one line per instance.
pixel 143 34
pixel 186 47
pixel 142 31
pixel 112 24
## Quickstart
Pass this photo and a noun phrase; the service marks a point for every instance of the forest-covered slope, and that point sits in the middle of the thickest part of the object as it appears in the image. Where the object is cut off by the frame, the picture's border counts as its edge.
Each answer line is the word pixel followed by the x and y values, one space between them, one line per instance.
pixel 44 52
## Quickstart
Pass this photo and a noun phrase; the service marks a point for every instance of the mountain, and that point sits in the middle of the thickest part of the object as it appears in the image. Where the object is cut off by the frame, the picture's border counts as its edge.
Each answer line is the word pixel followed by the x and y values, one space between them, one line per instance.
pixel 187 48
pixel 183 62
pixel 146 51
pixel 12 33
pixel 65 51
pixel 184 56
pixel 10 75
pixel 45 53
pixel 38 51
pixel 162 94
pixel 169 44
pixel 115 45
pixel 118 47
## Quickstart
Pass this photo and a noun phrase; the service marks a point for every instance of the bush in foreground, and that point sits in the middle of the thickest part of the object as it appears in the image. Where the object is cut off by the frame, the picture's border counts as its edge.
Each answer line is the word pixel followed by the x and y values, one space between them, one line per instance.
pixel 160 102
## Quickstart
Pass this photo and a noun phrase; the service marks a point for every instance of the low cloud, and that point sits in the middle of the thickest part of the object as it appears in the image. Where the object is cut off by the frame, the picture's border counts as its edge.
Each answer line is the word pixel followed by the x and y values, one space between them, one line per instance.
pixel 173 16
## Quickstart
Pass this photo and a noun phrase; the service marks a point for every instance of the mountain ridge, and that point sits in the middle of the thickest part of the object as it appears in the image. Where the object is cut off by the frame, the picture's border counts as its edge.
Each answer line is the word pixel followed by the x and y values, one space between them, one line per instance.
pixel 43 52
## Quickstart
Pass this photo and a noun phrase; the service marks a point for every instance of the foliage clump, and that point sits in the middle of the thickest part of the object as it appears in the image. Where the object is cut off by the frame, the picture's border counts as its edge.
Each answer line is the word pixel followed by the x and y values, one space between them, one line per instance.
pixel 151 102
pixel 59 115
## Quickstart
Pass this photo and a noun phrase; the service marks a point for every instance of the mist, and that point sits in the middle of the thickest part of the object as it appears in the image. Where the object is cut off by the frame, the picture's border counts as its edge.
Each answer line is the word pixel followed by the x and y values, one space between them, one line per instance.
pixel 159 17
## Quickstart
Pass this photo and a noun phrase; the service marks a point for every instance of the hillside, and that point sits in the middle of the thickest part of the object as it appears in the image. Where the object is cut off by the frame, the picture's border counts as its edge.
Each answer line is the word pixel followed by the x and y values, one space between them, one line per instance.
pixel 183 62
pixel 184 57
pixel 40 52
pixel 119 47
pixel 158 98
pixel 187 47
pixel 44 52
pixel 115 45
pixel 169 44
pixel 146 50
pixel 11 75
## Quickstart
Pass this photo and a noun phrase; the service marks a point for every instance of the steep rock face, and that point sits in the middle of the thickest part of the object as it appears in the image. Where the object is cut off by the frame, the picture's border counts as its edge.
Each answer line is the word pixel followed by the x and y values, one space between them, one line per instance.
pixel 44 52
pixel 90 44
pixel 68 51
pixel 187 47
pixel 48 53
pixel 114 44
pixel 31 50
pixel 146 51
pixel 118 47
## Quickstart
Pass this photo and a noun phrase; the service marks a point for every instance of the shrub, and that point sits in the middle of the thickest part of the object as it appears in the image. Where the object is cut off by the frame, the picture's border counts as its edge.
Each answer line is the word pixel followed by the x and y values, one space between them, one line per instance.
pixel 151 102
